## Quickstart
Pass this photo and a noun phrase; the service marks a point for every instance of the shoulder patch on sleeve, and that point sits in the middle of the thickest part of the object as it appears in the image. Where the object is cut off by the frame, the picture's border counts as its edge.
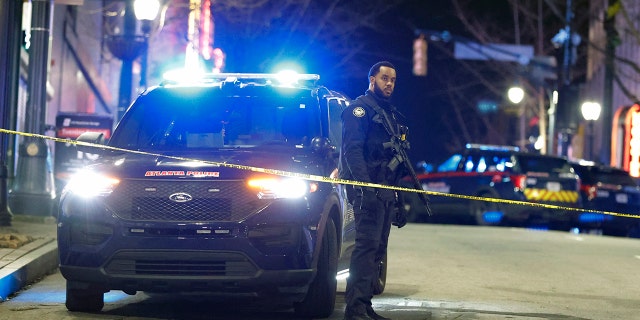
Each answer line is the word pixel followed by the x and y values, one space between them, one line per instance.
pixel 359 112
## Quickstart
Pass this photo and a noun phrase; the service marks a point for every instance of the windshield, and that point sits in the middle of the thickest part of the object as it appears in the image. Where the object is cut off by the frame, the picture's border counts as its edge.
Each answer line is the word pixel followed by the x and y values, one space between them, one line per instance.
pixel 192 118
pixel 544 164
pixel 604 175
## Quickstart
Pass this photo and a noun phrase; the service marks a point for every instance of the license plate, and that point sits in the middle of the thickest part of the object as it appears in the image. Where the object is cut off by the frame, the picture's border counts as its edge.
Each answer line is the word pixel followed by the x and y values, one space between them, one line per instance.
pixel 553 186
pixel 622 198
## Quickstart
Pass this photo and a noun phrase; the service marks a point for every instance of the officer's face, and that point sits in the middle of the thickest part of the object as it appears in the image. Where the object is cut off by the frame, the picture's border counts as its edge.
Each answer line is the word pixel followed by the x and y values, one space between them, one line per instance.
pixel 384 82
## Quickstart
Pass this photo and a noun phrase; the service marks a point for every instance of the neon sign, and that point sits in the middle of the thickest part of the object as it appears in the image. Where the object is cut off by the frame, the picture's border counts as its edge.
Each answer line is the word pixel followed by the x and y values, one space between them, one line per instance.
pixel 625 139
pixel 634 145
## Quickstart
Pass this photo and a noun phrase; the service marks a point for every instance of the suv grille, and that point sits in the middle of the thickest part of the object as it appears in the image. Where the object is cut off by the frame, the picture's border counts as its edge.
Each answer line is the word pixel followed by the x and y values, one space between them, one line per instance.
pixel 181 263
pixel 208 200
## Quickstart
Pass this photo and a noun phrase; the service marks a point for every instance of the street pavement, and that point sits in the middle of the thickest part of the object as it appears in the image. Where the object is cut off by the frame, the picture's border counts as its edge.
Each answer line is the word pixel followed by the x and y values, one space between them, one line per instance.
pixel 435 272
pixel 28 252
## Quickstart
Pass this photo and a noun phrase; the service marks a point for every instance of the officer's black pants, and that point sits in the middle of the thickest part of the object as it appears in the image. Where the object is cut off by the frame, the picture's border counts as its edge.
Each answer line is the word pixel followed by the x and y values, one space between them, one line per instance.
pixel 372 235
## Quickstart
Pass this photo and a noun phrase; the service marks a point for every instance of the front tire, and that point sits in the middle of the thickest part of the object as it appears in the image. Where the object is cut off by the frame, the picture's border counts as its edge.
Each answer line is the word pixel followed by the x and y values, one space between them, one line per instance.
pixel 480 209
pixel 83 298
pixel 321 297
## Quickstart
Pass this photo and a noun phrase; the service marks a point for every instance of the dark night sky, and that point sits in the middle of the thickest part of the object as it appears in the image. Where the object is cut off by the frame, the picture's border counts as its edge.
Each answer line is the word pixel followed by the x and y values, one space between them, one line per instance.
pixel 420 99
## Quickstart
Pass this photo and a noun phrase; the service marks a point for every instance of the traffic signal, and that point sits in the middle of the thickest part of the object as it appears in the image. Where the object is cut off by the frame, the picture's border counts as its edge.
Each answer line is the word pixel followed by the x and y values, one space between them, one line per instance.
pixel 420 57
pixel 567 109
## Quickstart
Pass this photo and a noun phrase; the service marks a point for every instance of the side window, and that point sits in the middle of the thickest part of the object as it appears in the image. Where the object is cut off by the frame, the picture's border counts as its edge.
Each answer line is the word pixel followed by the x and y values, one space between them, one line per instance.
pixel 502 163
pixel 450 164
pixel 492 163
pixel 469 164
pixel 336 106
pixel 482 165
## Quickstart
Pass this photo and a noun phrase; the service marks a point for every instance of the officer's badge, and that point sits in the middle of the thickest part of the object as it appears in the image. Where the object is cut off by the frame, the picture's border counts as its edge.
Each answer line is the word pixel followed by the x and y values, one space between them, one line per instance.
pixel 359 112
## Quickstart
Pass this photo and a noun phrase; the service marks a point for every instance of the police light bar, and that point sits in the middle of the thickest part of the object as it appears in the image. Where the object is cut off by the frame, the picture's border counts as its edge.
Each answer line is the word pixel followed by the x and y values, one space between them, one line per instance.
pixel 276 76
pixel 283 78
pixel 491 147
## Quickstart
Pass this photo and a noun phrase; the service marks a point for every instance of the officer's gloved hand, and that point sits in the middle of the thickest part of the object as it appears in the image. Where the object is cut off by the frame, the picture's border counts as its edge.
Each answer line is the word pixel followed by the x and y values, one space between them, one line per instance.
pixel 400 218
pixel 369 199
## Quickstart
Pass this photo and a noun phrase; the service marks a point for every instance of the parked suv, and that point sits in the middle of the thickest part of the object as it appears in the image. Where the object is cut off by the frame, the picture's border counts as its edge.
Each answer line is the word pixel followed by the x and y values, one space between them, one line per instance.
pixel 501 172
pixel 180 201
pixel 606 188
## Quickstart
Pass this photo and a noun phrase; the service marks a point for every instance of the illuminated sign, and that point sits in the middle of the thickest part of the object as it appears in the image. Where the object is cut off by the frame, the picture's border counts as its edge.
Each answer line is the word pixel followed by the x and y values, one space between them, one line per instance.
pixel 634 144
pixel 196 174
pixel 68 159
pixel 625 139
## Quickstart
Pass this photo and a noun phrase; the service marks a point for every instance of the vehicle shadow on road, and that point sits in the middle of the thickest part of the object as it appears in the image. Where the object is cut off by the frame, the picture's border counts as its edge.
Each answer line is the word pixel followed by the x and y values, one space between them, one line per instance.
pixel 200 306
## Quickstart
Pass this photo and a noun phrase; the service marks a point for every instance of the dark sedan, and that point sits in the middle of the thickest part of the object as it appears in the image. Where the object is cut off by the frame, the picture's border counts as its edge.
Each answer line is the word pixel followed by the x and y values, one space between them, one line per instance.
pixel 609 189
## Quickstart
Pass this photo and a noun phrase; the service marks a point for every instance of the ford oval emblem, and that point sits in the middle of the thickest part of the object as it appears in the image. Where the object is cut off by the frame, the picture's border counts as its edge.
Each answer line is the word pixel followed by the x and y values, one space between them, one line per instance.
pixel 180 197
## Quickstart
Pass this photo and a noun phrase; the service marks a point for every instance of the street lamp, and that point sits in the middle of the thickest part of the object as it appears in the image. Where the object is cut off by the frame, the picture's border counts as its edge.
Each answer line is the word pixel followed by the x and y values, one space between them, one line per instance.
pixel 515 94
pixel 146 11
pixel 591 113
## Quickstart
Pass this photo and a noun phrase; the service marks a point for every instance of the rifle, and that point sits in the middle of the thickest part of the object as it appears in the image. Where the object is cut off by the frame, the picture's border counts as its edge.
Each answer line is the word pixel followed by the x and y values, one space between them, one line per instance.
pixel 400 145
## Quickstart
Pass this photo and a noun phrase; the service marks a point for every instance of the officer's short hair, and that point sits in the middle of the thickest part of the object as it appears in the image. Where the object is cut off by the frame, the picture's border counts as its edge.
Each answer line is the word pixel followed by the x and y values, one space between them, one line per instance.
pixel 376 68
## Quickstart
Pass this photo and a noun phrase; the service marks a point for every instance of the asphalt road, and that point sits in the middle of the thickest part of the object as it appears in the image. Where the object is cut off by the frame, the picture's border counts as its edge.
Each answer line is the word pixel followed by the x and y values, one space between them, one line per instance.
pixel 435 272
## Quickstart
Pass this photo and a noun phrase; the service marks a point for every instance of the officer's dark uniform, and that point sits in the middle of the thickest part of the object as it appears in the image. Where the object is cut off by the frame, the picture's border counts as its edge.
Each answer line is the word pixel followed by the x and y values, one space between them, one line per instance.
pixel 364 158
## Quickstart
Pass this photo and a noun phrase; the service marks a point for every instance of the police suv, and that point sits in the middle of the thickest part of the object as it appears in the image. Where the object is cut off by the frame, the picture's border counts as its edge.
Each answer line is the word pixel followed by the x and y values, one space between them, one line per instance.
pixel 501 172
pixel 191 194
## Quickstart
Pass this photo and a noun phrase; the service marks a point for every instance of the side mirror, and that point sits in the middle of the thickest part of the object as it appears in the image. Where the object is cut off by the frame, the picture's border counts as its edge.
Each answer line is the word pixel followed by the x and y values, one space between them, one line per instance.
pixel 323 146
pixel 96 138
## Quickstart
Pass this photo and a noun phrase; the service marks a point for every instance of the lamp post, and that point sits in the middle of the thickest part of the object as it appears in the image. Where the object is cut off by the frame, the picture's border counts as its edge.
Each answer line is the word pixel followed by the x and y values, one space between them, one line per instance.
pixel 33 191
pixel 127 46
pixel 10 13
pixel 516 95
pixel 591 113
pixel 146 11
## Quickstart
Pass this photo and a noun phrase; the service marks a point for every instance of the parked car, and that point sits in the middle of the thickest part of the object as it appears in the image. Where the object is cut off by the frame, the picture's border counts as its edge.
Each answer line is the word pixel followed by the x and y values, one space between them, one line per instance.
pixel 499 172
pixel 158 212
pixel 606 188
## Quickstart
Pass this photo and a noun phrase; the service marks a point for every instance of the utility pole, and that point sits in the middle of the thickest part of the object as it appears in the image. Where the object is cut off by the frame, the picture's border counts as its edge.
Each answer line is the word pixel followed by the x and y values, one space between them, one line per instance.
pixel 33 191
pixel 612 39
pixel 566 90
pixel 10 35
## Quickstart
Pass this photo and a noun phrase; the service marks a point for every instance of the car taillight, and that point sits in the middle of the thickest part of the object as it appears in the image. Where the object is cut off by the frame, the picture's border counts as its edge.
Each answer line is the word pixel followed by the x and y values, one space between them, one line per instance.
pixel 519 181
pixel 590 190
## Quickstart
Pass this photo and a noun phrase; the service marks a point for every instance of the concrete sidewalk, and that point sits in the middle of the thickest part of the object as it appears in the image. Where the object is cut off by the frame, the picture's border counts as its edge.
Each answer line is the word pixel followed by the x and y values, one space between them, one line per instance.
pixel 28 251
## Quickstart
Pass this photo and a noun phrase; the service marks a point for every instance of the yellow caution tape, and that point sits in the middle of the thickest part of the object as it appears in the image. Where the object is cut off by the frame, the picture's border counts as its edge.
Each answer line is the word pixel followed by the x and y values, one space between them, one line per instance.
pixel 317 178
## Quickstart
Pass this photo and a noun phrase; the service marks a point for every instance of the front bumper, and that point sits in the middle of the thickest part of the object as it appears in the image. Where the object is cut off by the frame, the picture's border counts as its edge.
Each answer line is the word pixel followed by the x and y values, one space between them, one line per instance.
pixel 230 273
pixel 269 252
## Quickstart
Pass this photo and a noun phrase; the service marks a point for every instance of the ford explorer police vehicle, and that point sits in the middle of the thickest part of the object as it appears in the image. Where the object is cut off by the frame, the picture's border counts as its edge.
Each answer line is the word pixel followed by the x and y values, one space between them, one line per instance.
pixel 186 196
pixel 501 172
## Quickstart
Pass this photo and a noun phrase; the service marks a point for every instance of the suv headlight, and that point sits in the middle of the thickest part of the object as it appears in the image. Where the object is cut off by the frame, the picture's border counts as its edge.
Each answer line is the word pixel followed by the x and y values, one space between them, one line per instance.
pixel 277 188
pixel 87 183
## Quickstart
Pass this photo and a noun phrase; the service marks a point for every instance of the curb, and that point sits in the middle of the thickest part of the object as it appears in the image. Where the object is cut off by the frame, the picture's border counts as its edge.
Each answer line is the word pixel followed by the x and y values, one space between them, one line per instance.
pixel 28 268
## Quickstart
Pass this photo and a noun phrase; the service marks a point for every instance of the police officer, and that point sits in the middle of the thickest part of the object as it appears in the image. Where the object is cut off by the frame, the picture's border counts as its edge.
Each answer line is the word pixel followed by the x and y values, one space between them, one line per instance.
pixel 365 158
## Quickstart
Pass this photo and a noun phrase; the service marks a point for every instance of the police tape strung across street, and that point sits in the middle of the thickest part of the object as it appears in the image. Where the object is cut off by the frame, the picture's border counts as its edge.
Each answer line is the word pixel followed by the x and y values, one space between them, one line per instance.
pixel 316 177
